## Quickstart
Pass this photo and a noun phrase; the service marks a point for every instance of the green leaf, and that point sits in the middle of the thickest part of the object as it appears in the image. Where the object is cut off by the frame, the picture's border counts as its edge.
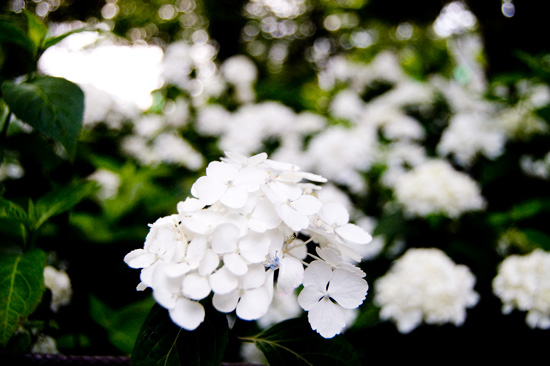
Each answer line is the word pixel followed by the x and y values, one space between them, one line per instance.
pixel 161 342
pixel 36 30
pixel 122 325
pixel 55 40
pixel 12 211
pixel 13 33
pixel 538 238
pixel 21 289
pixel 54 106
pixel 292 342
pixel 60 200
pixel 13 219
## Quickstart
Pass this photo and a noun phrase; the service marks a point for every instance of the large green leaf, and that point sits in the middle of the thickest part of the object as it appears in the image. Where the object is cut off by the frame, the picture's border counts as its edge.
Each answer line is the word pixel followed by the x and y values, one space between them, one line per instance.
pixel 123 324
pixel 161 342
pixel 292 342
pixel 21 288
pixel 60 200
pixel 54 106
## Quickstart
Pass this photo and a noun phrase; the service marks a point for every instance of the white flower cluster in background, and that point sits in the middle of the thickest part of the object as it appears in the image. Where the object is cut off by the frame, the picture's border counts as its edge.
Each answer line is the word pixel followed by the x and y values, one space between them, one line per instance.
pixel 425 285
pixel 250 218
pixel 59 283
pixel 523 283
pixel 435 187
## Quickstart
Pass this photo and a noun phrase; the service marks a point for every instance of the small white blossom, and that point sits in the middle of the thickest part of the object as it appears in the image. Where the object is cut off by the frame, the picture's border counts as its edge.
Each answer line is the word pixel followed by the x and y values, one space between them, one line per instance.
pixel 327 292
pixel 425 285
pixel 523 283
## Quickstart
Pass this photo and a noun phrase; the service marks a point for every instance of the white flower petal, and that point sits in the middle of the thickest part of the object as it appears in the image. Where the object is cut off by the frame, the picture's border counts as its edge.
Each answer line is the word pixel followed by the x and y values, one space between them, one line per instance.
pixel 189 205
pixel 226 303
pixel 294 219
pixel 225 238
pixel 327 318
pixel 209 263
pixel 347 289
pixel 264 217
pixel 187 314
pixel 176 269
pixel 139 258
pixel 291 274
pixel 353 234
pixel 255 277
pixel 235 263
pixel 309 297
pixel 196 251
pixel 234 197
pixel 223 281
pixel 334 214
pixel 221 171
pixel 253 304
pixel 164 297
pixel 317 274
pixel 254 247
pixel 195 286
pixel 208 190
pixel 307 204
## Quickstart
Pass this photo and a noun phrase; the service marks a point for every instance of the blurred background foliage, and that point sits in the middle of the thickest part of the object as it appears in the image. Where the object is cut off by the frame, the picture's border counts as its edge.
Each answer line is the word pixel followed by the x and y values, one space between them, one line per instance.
pixel 291 44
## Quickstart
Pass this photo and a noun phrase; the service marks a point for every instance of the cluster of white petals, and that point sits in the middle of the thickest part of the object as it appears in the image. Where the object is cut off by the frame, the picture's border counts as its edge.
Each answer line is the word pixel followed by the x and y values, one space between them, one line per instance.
pixel 250 221
pixel 435 187
pixel 425 285
pixel 523 283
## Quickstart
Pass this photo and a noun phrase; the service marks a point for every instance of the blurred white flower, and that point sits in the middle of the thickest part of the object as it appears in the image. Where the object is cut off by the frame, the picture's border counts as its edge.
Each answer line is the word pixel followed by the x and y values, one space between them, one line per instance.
pixel 59 283
pixel 435 187
pixel 425 285
pixel 470 134
pixel 523 283
pixel 108 181
pixel 240 71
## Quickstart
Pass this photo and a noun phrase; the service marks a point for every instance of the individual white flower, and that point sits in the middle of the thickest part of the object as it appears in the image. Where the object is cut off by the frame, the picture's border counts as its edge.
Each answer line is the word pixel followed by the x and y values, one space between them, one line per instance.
pixel 522 283
pixel 227 184
pixel 251 298
pixel 435 187
pixel 332 227
pixel 160 243
pixel 327 293
pixel 59 283
pixel 425 285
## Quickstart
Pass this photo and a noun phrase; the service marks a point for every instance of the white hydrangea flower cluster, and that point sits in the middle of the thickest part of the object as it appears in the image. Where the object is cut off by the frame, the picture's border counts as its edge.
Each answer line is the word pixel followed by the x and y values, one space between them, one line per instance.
pixel 523 283
pixel 425 285
pixel 435 187
pixel 248 220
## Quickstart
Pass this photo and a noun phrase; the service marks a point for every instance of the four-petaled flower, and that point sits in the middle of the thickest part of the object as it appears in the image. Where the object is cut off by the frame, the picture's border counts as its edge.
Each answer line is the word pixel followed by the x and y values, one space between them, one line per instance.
pixel 327 292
